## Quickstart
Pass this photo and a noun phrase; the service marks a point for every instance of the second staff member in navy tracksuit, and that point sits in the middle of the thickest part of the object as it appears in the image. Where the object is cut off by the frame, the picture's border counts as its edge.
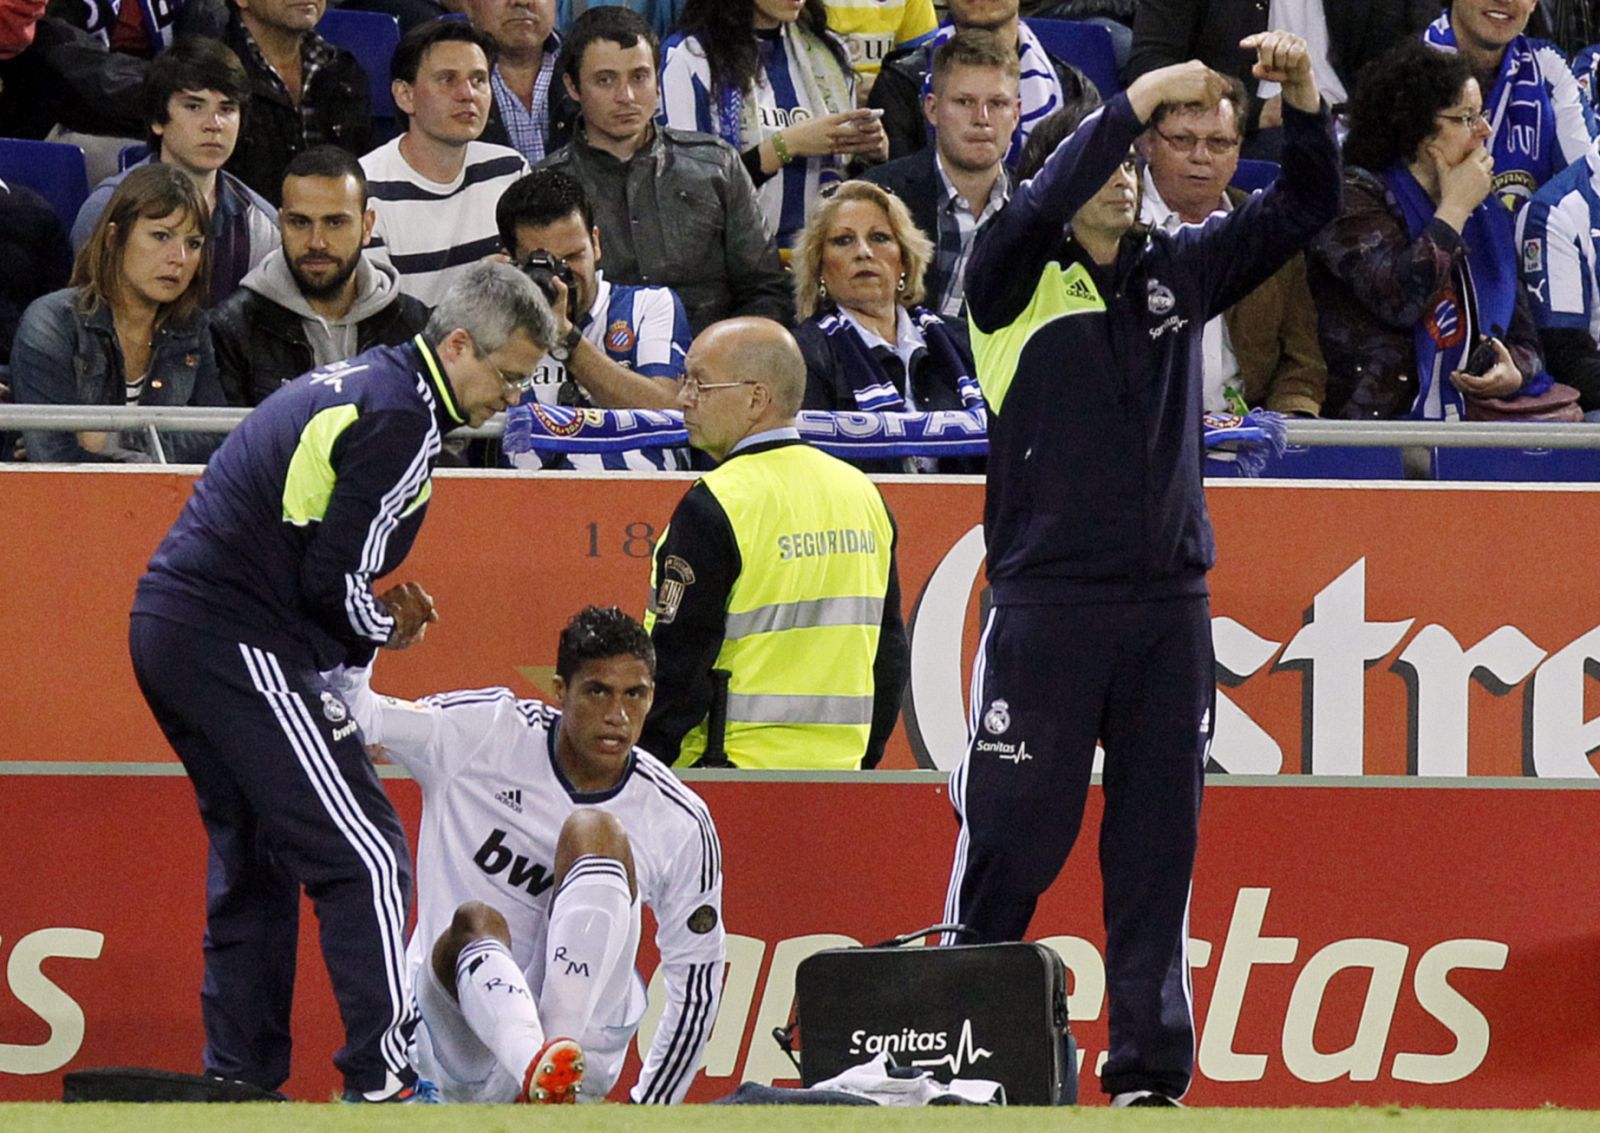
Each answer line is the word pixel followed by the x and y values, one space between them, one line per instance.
pixel 266 579
pixel 1099 543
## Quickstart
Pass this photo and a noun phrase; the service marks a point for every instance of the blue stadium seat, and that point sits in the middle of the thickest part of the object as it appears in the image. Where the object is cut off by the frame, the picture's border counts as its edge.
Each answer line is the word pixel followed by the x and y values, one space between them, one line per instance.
pixel 55 171
pixel 1086 46
pixel 1323 462
pixel 372 38
pixel 1538 465
pixel 1253 174
pixel 130 155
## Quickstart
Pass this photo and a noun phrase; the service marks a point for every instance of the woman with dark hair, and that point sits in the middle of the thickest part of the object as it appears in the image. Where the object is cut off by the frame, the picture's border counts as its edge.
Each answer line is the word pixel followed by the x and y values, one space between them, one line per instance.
pixel 868 343
pixel 768 78
pixel 129 329
pixel 1420 268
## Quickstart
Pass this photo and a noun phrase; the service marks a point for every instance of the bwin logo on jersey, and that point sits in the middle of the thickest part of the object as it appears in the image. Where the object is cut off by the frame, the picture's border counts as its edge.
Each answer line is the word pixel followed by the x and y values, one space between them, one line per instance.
pixel 998 718
pixel 1160 297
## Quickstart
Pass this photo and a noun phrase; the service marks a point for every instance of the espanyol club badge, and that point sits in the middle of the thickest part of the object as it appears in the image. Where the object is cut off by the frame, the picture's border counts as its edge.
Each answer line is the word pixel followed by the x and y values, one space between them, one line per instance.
pixel 998 718
pixel 333 709
pixel 1160 297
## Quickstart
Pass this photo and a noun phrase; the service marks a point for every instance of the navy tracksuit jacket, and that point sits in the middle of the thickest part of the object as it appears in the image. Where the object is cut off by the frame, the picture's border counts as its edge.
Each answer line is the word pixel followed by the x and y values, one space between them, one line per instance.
pixel 1098 547
pixel 265 579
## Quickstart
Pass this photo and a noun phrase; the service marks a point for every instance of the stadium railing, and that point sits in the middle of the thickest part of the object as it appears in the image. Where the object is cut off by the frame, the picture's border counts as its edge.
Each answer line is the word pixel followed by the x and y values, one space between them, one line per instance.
pixel 1521 447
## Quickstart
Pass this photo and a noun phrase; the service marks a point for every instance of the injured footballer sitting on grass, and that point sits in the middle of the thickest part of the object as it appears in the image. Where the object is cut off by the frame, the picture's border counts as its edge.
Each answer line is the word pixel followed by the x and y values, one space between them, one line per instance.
pixel 543 830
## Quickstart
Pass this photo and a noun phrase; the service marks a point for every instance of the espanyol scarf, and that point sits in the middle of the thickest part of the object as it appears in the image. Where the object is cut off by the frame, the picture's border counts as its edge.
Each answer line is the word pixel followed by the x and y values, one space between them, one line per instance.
pixel 1040 87
pixel 872 393
pixel 848 435
pixel 1476 303
pixel 821 79
pixel 1522 117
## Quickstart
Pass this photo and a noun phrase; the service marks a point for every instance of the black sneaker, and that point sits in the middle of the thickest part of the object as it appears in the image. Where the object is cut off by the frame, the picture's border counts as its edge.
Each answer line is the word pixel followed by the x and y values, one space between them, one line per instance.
pixel 1144 1098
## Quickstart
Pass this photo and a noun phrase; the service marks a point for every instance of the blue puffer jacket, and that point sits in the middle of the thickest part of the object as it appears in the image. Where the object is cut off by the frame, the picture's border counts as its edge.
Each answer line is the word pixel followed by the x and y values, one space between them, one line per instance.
pixel 62 356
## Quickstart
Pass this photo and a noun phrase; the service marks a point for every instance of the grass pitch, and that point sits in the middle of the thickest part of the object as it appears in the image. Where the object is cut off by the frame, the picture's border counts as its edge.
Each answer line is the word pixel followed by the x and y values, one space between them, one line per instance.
pixel 305 1118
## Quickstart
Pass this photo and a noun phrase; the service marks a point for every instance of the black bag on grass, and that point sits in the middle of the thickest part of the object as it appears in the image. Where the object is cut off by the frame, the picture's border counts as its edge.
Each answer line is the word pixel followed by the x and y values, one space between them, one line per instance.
pixel 995 1011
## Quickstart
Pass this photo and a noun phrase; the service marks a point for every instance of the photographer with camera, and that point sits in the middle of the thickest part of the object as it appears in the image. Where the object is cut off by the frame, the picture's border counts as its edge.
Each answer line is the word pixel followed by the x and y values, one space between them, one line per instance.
pixel 618 346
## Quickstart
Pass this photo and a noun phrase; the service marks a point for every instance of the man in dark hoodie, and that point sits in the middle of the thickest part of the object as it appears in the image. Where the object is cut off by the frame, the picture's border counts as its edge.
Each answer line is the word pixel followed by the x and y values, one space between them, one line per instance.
pixel 318 299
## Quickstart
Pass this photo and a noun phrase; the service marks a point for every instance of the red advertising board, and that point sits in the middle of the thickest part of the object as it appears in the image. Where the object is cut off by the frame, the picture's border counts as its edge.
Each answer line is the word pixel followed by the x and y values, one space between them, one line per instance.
pixel 1431 630
pixel 1403 939
pixel 1351 944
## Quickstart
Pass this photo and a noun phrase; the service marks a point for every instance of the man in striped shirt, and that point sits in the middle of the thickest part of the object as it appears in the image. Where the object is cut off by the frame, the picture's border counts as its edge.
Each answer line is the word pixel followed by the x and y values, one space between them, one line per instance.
pixel 435 186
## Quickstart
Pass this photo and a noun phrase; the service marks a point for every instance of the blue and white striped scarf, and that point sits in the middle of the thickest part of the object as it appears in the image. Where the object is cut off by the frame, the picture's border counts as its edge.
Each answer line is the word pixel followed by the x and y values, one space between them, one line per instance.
pixel 848 435
pixel 882 396
pixel 1040 87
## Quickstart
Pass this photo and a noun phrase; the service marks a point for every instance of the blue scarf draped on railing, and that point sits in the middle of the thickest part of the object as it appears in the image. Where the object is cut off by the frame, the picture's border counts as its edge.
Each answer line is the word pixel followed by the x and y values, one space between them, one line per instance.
pixel 850 435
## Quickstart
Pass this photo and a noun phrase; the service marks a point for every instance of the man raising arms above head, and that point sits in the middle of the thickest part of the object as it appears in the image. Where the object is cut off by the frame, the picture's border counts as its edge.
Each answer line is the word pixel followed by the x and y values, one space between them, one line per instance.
pixel 543 832
pixel 1085 333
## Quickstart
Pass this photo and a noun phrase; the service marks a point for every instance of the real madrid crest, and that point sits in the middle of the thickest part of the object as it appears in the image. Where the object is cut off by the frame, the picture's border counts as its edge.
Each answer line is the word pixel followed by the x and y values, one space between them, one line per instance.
pixel 1160 297
pixel 998 718
pixel 333 708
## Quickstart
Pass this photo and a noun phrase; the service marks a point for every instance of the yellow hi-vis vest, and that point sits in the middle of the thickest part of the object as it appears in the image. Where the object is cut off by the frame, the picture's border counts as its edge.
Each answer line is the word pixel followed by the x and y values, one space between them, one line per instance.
pixel 803 619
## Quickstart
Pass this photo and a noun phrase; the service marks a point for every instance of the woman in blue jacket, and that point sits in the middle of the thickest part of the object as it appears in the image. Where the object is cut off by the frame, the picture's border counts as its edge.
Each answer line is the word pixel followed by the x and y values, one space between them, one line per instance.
pixel 130 329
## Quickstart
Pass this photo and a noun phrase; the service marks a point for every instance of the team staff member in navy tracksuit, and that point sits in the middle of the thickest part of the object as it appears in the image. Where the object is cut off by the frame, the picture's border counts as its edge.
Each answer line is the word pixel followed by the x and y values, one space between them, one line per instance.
pixel 265 580
pixel 1098 539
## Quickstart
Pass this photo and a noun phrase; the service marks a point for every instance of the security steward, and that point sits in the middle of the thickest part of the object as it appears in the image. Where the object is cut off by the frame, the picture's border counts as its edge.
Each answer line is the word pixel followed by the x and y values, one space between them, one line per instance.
pixel 779 569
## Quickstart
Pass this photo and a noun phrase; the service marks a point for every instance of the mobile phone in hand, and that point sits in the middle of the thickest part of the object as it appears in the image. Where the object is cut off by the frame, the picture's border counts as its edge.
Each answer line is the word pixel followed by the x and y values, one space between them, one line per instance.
pixel 1482 360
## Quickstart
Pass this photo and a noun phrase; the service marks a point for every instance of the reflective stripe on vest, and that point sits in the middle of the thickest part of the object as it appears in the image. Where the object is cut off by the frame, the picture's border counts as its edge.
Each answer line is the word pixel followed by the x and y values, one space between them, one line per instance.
pixel 801 631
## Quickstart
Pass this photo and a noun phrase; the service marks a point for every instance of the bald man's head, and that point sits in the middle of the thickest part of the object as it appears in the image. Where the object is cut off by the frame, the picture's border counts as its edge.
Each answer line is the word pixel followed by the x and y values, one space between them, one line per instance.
pixel 762 351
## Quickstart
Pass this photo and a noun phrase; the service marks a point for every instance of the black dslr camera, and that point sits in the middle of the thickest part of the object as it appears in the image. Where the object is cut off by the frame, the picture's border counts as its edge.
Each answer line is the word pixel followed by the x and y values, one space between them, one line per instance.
pixel 543 268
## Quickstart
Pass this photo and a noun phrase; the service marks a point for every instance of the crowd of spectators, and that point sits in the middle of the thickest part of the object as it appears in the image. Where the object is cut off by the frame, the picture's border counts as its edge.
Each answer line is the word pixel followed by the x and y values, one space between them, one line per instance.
pixel 828 165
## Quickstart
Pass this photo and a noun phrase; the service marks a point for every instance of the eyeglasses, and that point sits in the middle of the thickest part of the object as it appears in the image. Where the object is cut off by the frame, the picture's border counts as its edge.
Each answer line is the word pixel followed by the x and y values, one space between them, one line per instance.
pixel 516 383
pixel 1188 143
pixel 1467 118
pixel 692 389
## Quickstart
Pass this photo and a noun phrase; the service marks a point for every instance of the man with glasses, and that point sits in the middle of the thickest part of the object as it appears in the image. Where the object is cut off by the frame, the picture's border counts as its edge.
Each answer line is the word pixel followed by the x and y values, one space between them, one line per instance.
pixel 1086 335
pixel 1539 121
pixel 778 569
pixel 265 582
pixel 1262 351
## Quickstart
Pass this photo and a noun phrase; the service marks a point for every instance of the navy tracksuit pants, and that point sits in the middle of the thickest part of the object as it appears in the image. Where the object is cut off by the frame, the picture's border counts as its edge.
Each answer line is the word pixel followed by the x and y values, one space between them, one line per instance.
pixel 1049 681
pixel 288 798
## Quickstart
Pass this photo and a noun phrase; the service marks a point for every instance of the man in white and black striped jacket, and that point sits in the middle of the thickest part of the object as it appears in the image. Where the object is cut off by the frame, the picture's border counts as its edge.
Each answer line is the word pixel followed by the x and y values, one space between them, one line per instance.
pixel 543 832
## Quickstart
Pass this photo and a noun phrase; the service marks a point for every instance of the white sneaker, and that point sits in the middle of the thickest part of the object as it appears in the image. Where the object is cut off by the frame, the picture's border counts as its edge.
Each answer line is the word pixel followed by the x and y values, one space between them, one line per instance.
pixel 1144 1098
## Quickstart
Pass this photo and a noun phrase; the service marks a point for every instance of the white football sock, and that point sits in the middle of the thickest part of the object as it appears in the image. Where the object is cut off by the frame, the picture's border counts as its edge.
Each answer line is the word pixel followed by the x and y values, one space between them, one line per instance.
pixel 497 1004
pixel 588 929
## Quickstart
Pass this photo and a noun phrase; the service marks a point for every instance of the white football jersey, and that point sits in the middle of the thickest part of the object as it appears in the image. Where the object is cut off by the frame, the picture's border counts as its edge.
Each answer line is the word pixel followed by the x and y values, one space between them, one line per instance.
pixel 493 802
